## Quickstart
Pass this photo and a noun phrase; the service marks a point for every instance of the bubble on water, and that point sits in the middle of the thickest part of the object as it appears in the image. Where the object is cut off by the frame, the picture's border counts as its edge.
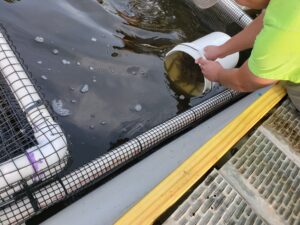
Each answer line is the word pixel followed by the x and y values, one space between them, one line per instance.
pixel 66 62
pixel 94 79
pixel 44 77
pixel 181 97
pixel 92 127
pixel 91 68
pixel 103 123
pixel 39 39
pixel 73 101
pixel 39 62
pixel 59 109
pixel 84 88
pixel 55 51
pixel 93 39
pixel 78 63
pixel 49 69
pixel 173 17
pixel 138 108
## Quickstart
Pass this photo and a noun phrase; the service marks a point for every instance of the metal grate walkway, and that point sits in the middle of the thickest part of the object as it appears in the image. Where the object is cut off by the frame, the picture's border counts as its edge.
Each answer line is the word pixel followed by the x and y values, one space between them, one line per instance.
pixel 260 184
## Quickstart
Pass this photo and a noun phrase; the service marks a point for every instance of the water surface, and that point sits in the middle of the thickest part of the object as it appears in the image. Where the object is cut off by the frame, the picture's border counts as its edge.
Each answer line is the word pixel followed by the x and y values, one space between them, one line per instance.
pixel 114 47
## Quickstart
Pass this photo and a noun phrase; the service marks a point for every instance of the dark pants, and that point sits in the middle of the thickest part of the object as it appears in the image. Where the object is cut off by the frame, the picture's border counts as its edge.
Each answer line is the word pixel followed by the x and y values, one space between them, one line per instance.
pixel 293 91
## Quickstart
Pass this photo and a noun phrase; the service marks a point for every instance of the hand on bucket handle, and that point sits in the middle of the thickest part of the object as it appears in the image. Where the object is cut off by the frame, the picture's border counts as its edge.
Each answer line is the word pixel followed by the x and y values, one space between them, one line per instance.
pixel 209 69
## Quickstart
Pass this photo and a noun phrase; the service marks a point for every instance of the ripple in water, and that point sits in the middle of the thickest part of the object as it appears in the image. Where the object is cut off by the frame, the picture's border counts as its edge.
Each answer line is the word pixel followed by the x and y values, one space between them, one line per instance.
pixel 156 22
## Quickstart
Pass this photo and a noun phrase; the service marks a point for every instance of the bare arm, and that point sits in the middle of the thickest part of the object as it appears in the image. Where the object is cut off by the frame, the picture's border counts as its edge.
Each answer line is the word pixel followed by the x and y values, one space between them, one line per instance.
pixel 244 39
pixel 242 79
pixel 254 4
pixel 241 41
pixel 239 79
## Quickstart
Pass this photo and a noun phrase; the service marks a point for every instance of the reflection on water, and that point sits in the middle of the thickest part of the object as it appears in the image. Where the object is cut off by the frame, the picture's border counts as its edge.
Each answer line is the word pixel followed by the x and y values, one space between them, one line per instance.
pixel 153 26
pixel 114 50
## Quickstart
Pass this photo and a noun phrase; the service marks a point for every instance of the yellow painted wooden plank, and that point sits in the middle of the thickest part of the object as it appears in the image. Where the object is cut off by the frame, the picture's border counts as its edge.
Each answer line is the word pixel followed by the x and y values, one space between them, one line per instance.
pixel 164 195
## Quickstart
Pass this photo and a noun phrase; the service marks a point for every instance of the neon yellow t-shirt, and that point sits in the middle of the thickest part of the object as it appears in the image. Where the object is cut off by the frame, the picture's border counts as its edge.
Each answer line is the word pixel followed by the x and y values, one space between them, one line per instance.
pixel 276 51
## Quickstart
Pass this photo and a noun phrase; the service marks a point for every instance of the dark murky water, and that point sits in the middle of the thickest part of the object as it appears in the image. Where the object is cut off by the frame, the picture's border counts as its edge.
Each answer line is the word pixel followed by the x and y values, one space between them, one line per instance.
pixel 102 62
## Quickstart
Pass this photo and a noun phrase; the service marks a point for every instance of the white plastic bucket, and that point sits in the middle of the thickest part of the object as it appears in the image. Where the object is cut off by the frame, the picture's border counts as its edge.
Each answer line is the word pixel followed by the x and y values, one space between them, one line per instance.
pixel 180 66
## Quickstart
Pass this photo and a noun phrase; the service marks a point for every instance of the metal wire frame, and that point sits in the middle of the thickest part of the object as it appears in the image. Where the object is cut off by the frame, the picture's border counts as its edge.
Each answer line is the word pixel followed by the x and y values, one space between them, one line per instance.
pixel 29 149
pixel 42 196
pixel 225 11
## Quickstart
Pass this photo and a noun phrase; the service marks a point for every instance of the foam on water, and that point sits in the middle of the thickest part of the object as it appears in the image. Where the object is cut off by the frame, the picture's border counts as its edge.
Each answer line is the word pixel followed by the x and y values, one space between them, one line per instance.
pixel 65 62
pixel 44 77
pixel 138 107
pixel 59 109
pixel 103 123
pixel 84 88
pixel 39 39
pixel 55 51
pixel 181 97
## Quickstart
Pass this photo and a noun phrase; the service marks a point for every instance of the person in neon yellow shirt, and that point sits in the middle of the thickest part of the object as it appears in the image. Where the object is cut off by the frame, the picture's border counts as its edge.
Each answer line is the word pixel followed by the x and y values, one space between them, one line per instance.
pixel 275 38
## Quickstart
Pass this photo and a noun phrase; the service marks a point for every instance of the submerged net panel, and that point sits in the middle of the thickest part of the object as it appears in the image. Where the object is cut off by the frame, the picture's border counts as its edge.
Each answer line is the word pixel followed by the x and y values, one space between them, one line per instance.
pixel 16 135
pixel 33 147
pixel 44 194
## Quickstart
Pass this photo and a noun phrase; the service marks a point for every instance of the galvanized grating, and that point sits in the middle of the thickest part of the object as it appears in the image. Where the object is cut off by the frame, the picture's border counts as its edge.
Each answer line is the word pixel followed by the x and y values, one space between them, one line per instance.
pixel 285 123
pixel 273 176
pixel 214 202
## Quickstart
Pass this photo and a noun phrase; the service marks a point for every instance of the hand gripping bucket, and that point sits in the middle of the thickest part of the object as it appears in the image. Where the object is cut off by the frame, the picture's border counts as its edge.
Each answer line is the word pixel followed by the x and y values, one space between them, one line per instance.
pixel 182 71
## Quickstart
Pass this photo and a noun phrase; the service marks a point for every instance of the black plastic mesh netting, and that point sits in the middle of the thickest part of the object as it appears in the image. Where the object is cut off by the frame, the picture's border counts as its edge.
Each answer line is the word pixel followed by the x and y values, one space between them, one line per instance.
pixel 16 135
pixel 35 149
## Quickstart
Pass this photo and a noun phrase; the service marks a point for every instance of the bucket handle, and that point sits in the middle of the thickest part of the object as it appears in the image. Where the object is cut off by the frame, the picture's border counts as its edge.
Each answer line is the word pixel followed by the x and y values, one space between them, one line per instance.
pixel 208 85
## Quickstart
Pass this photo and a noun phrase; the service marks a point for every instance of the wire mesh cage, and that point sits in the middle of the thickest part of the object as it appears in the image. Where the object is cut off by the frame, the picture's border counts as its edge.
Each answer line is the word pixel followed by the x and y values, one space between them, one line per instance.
pixel 33 147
